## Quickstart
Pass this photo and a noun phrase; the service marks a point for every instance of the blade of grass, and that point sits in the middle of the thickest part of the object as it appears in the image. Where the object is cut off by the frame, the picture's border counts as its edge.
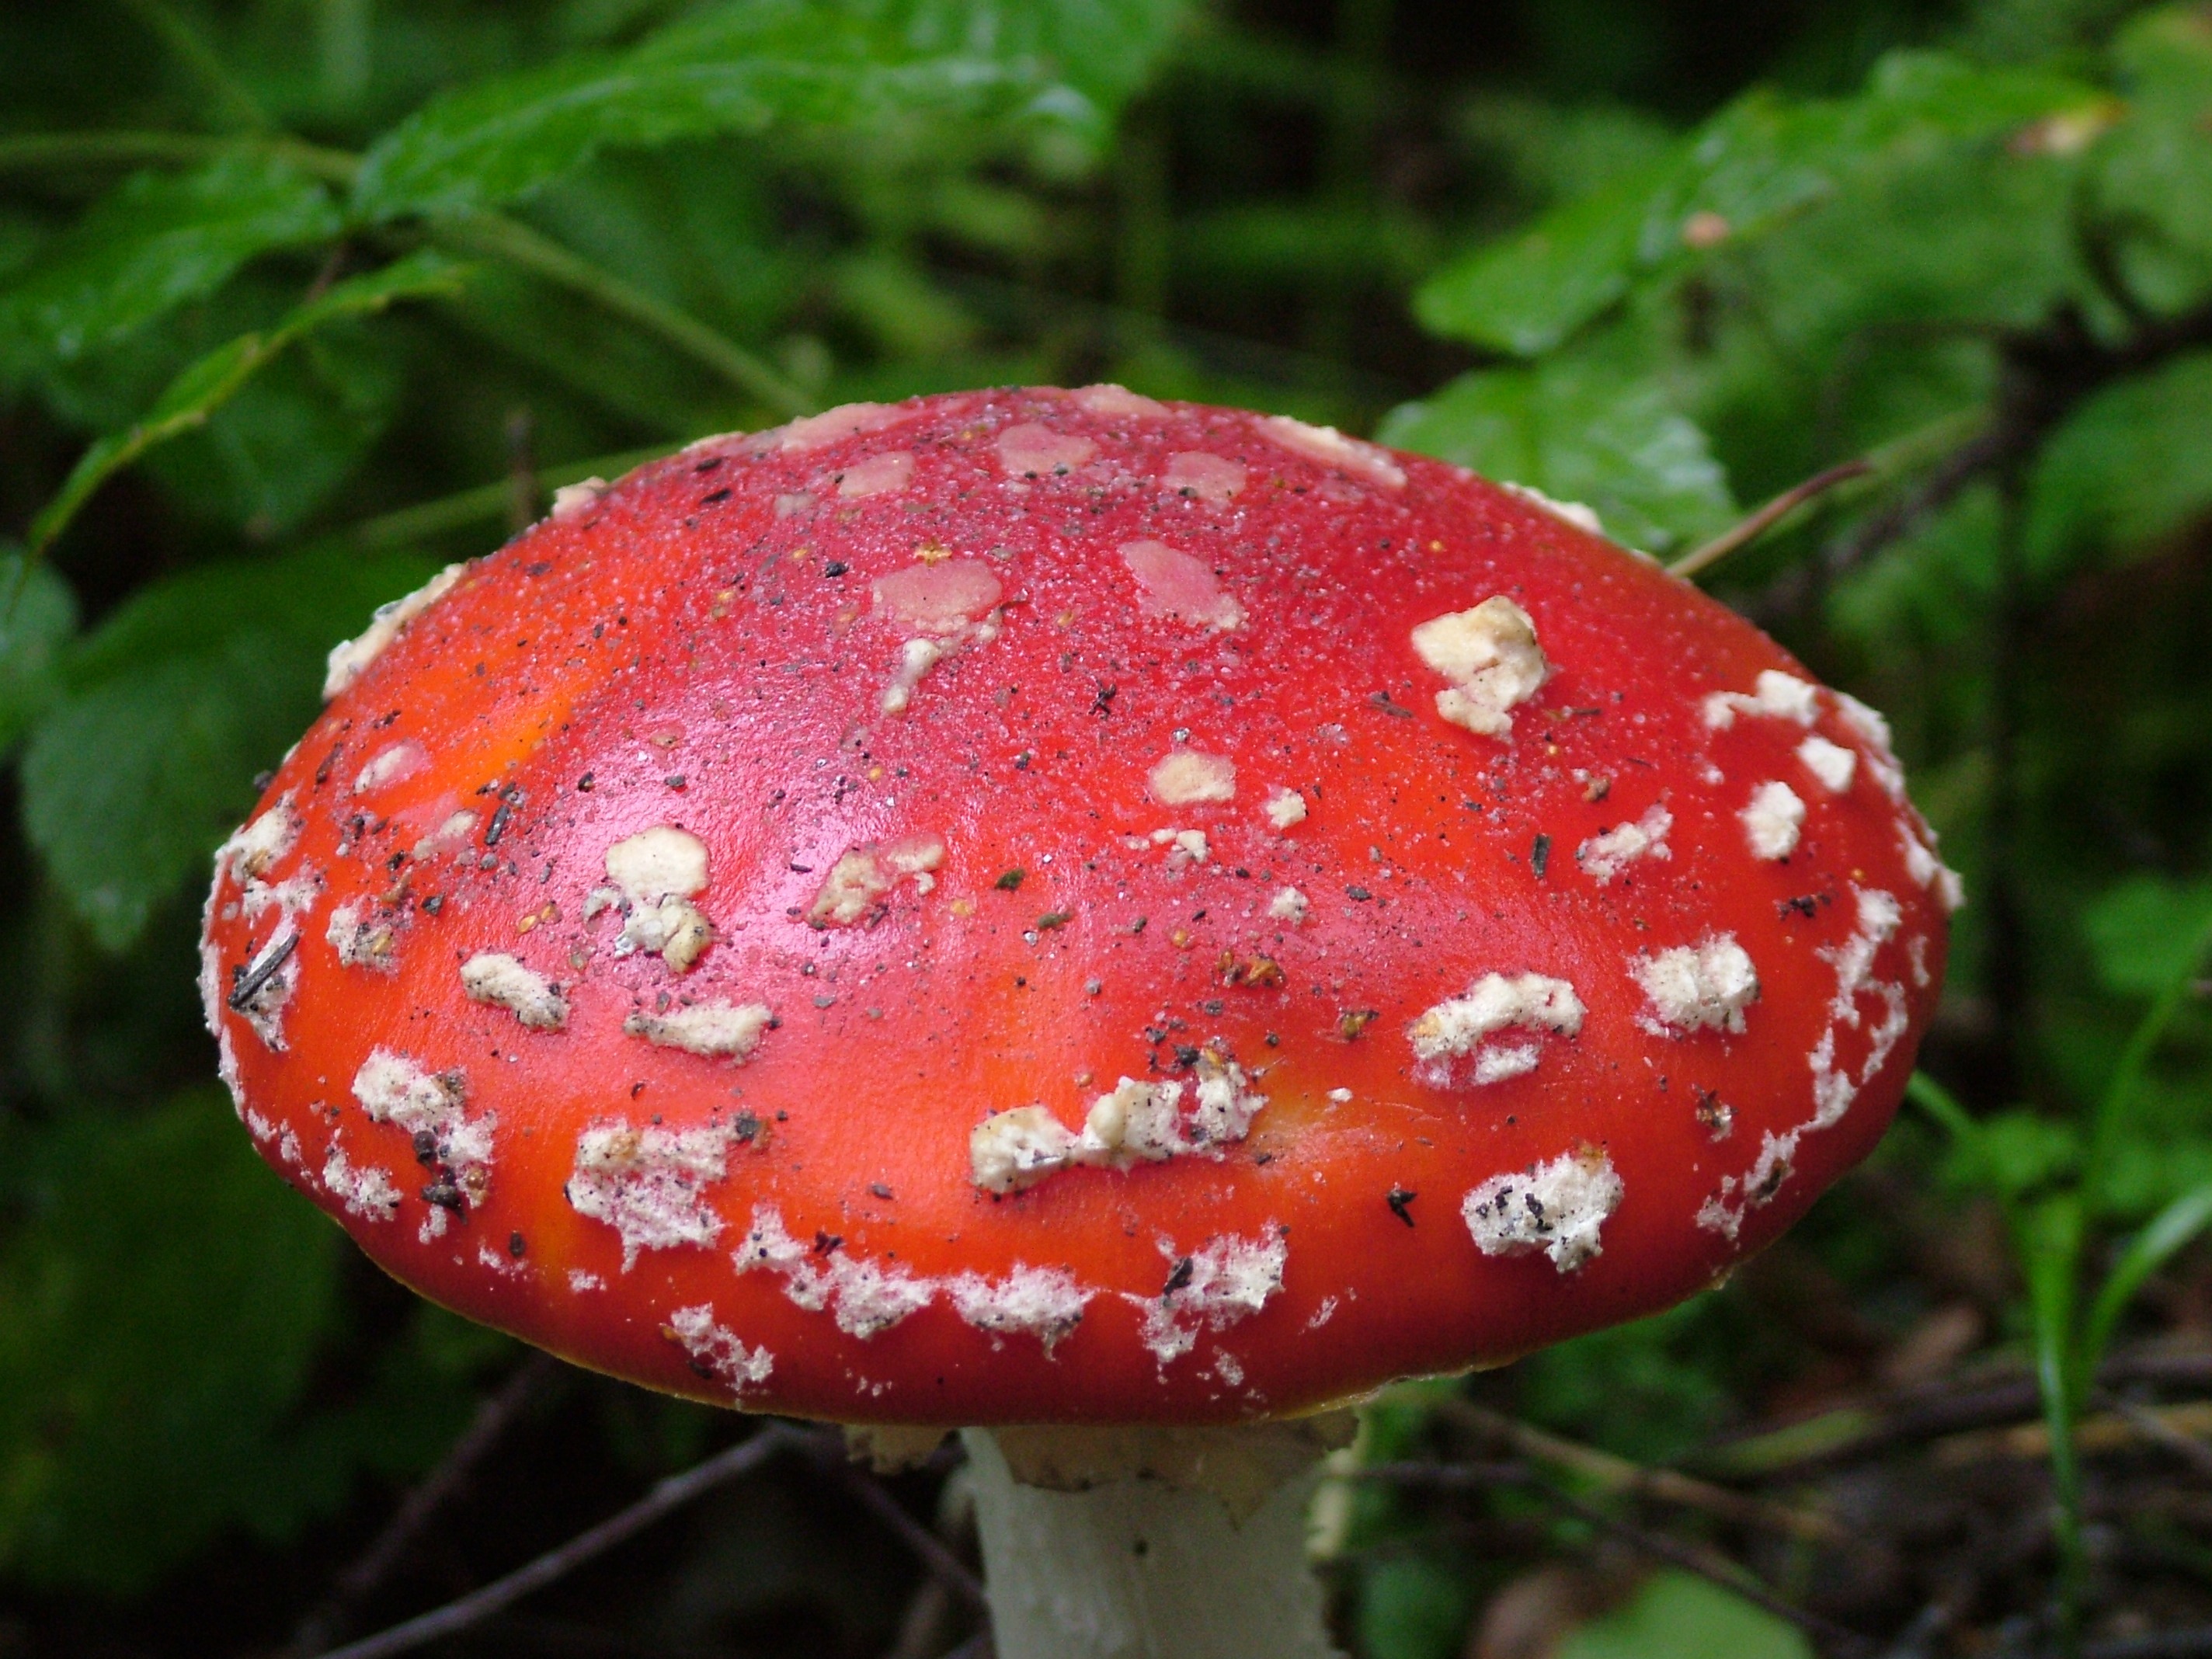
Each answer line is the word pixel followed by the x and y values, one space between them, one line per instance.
pixel 2170 1232
pixel 2111 1109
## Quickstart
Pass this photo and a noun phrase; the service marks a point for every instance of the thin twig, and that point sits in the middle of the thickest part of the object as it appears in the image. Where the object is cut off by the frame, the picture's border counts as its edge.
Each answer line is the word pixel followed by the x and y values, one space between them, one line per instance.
pixel 359 1580
pixel 1619 1474
pixel 37 151
pixel 481 504
pixel 1749 530
pixel 925 1544
pixel 667 1497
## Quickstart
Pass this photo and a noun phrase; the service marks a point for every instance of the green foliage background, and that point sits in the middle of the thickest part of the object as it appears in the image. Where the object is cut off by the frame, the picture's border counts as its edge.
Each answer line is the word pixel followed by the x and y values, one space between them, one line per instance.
pixel 300 298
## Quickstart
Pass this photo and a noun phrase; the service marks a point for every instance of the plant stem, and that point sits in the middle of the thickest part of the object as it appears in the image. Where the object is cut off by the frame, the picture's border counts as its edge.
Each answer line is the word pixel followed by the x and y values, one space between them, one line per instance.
pixel 38 151
pixel 494 235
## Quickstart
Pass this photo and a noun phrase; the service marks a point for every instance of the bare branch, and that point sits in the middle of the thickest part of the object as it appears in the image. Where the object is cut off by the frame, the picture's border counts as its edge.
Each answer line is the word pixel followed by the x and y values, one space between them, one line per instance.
pixel 665 1497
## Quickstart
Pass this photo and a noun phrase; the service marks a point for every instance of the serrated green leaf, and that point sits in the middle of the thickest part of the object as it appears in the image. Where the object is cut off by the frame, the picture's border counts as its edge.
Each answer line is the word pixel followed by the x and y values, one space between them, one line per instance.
pixel 751 65
pixel 1579 432
pixel 155 242
pixel 2133 464
pixel 146 758
pixel 165 1297
pixel 1743 171
pixel 37 615
pixel 2143 934
pixel 1677 1616
pixel 219 376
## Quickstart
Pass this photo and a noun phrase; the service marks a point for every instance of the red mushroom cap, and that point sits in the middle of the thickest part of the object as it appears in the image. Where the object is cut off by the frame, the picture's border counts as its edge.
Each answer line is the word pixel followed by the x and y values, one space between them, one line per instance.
pixel 1044 906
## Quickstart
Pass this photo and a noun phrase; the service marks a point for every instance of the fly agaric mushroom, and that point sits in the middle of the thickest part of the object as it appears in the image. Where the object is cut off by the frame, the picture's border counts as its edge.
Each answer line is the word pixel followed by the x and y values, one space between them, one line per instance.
pixel 1052 908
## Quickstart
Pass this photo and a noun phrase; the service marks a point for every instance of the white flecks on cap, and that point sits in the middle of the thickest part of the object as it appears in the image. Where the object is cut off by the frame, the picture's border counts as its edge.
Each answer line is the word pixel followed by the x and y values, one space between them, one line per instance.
pixel 859 879
pixel 1830 762
pixel 1288 905
pixel 716 1350
pixel 1131 1121
pixel 1214 479
pixel 648 1184
pixel 262 842
pixel 393 763
pixel 1187 778
pixel 451 837
pixel 1186 846
pixel 658 863
pixel 1604 856
pixel 1174 584
pixel 1583 518
pixel 1460 1025
pixel 1556 1207
pixel 720 1031
pixel 1773 820
pixel 1227 1281
pixel 1490 654
pixel 365 1191
pixel 579 1281
pixel 879 475
pixel 1011 1150
pixel 916 658
pixel 863 1296
pixel 940 599
pixel 506 982
pixel 1705 986
pixel 359 944
pixel 1108 400
pixel 1835 1085
pixel 1330 448
pixel 1285 808
pixel 1028 450
pixel 288 898
pixel 1496 1062
pixel 1775 694
pixel 1930 871
pixel 572 500
pixel 1134 1122
pixel 1874 732
pixel 392 1089
pixel 657 871
pixel 1045 1302
pixel 846 421
pixel 349 658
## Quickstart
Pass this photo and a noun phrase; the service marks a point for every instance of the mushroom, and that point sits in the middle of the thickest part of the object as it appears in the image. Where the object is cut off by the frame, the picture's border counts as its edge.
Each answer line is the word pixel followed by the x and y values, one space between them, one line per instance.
pixel 1131 923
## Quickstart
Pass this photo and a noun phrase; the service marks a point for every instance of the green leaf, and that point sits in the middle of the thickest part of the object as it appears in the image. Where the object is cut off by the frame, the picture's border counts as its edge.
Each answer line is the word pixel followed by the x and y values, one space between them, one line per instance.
pixel 1744 171
pixel 154 243
pixel 1579 432
pixel 296 431
pixel 165 1297
pixel 2013 1153
pixel 145 761
pixel 2132 465
pixel 37 615
pixel 1677 1616
pixel 2147 932
pixel 219 376
pixel 748 66
pixel 2153 185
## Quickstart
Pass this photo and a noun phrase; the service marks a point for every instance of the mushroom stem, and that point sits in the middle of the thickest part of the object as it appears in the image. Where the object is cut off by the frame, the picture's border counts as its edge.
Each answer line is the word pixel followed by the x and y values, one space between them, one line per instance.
pixel 1109 1561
